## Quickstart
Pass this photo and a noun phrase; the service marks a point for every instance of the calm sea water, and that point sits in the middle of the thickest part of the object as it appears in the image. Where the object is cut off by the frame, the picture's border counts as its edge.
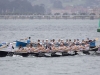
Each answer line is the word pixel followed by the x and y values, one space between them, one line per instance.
pixel 11 30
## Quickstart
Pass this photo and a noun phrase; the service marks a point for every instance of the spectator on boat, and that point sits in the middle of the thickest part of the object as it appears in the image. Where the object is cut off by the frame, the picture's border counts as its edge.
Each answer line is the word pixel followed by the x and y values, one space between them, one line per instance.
pixel 29 40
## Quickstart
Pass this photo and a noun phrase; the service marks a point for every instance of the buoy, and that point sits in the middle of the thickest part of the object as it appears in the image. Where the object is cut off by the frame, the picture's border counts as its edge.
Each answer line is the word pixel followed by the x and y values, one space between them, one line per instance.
pixel 98 30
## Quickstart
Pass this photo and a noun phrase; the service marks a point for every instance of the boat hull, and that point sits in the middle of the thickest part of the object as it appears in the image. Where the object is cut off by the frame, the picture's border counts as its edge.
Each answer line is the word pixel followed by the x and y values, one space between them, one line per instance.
pixel 3 54
pixel 44 54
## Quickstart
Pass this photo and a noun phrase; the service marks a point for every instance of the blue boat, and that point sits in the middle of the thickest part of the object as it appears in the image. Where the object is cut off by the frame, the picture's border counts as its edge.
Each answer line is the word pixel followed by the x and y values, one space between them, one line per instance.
pixel 0 45
pixel 19 43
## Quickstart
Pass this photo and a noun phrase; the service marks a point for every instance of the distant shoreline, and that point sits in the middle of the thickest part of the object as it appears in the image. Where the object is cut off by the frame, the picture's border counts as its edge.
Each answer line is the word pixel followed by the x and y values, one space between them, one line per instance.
pixel 49 17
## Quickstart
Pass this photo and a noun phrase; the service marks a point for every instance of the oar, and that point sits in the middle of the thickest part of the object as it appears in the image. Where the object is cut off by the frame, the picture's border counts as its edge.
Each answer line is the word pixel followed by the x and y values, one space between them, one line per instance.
pixel 96 39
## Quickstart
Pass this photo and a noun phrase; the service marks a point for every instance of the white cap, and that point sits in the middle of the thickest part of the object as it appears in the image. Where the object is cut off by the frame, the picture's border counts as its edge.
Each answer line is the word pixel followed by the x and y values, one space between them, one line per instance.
pixel 61 39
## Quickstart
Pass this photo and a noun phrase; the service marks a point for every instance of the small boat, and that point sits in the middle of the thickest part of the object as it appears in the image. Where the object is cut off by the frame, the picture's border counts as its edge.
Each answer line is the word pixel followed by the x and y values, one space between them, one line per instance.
pixel 19 43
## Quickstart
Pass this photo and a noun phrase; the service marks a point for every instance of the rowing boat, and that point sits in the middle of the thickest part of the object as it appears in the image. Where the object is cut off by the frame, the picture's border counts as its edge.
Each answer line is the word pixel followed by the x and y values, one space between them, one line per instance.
pixel 47 54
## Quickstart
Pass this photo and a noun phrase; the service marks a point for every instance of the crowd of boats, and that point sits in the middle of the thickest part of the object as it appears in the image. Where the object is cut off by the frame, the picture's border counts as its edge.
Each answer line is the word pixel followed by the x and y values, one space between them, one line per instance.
pixel 51 48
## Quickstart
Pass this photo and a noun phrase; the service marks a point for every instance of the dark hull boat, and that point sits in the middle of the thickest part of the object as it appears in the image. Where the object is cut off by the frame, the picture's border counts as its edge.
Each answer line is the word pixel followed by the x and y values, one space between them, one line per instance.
pixel 44 54
pixel 3 53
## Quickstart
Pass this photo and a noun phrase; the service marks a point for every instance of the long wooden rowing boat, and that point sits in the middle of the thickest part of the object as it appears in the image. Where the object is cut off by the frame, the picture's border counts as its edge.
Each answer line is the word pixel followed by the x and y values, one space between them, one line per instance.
pixel 47 54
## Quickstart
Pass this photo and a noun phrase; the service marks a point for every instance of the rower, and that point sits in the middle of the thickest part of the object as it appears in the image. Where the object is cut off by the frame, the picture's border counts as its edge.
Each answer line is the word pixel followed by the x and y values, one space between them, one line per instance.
pixel 53 48
pixel 83 42
pixel 31 48
pixel 43 43
pixel 62 47
pixel 40 48
pixel 77 42
pixel 58 43
pixel 86 49
pixel 70 42
pixel 66 43
pixel 80 47
pixel 51 42
pixel 20 47
pixel 38 42
pixel 74 41
pixel 62 41
pixel 47 44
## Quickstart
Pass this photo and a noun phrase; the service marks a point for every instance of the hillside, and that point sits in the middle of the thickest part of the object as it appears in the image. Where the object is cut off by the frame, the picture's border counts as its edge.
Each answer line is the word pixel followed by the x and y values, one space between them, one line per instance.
pixel 48 6
pixel 84 3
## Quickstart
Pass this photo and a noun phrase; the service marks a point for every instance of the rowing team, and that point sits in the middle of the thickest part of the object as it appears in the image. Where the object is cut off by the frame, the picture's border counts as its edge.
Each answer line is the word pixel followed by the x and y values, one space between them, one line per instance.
pixel 53 48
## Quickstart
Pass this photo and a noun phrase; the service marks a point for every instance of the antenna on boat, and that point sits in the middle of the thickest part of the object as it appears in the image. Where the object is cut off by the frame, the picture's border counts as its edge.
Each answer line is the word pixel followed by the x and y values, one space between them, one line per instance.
pixel 98 30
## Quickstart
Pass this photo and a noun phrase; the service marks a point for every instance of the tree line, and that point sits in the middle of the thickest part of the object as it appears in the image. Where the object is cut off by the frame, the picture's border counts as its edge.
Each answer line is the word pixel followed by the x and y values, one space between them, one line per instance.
pixel 20 6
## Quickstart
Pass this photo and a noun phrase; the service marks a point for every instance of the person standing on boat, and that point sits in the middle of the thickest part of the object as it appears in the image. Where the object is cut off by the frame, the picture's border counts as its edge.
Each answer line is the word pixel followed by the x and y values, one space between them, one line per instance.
pixel 10 47
pixel 29 41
